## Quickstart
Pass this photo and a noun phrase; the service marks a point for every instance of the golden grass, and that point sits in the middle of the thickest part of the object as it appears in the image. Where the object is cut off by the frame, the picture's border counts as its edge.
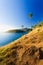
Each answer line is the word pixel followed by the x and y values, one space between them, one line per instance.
pixel 24 51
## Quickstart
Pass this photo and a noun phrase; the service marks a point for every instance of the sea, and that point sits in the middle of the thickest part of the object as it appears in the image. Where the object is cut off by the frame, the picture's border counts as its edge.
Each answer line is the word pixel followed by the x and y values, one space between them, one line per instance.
pixel 7 38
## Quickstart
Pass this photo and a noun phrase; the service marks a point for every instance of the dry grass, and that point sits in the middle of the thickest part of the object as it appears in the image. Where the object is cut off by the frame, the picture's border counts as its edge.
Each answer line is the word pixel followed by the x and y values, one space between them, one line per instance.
pixel 24 51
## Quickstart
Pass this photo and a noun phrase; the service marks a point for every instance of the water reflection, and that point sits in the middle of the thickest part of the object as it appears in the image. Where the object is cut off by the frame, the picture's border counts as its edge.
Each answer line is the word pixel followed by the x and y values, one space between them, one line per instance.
pixel 6 38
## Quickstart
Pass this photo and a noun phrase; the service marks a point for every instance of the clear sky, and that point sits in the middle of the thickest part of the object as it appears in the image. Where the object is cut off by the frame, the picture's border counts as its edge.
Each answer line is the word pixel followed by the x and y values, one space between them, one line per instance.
pixel 14 13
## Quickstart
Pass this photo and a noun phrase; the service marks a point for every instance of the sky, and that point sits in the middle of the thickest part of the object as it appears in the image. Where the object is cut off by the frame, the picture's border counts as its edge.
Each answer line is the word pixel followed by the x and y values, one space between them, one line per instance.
pixel 14 13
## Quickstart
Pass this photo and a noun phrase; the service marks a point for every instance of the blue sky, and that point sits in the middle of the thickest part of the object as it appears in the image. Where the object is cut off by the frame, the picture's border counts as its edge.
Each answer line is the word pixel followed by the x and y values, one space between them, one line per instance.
pixel 14 13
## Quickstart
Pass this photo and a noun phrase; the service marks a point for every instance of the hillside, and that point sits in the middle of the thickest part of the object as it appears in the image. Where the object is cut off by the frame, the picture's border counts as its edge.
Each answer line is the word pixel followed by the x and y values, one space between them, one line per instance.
pixel 28 50
pixel 38 25
pixel 19 30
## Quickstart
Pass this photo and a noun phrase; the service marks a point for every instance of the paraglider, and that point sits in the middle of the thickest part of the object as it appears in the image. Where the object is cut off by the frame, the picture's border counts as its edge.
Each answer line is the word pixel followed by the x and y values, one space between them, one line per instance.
pixel 30 15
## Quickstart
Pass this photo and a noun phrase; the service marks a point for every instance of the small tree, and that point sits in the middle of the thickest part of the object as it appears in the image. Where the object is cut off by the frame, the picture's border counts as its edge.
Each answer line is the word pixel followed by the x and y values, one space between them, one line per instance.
pixel 22 26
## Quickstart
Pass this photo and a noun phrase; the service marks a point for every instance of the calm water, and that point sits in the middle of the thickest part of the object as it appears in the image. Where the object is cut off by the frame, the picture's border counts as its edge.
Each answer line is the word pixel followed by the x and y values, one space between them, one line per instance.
pixel 6 38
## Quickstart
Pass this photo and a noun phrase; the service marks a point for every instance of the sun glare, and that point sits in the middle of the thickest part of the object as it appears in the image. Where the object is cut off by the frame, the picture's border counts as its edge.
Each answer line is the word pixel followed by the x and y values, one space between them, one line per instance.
pixel 4 28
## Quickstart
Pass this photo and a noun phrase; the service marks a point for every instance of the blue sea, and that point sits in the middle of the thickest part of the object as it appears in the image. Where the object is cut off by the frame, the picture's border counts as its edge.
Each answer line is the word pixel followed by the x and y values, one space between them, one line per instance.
pixel 6 38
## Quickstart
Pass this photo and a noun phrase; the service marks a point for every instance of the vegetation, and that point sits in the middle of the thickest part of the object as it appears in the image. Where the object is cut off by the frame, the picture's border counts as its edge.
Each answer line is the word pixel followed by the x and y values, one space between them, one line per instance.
pixel 28 50
pixel 19 30
pixel 22 26
pixel 38 25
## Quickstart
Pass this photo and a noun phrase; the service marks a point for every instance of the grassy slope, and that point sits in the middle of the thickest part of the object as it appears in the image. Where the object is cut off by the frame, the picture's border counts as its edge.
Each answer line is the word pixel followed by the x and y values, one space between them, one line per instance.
pixel 24 51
